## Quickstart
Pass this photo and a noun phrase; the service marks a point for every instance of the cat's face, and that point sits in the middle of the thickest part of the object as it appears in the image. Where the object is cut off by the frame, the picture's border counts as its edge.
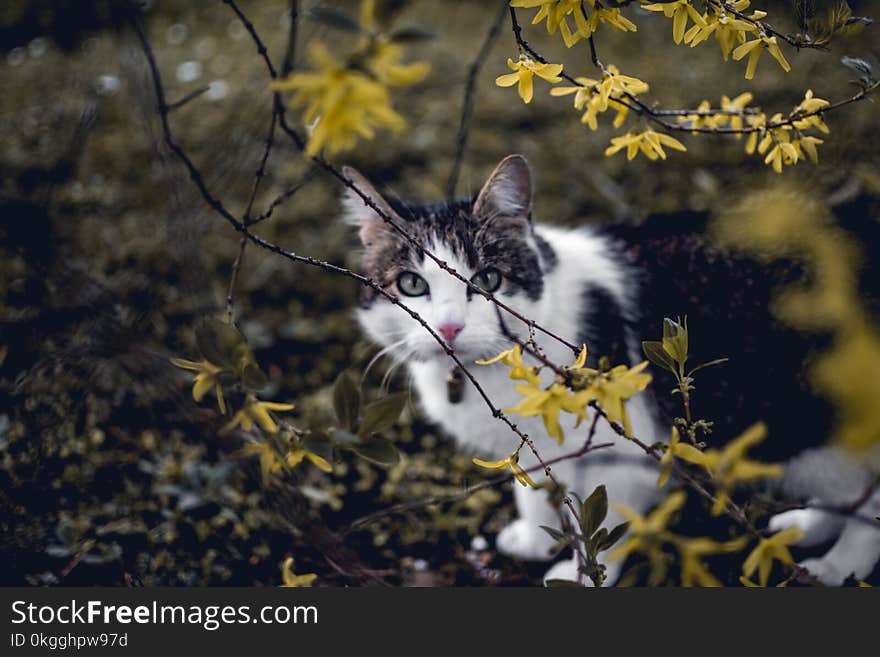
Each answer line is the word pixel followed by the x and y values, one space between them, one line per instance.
pixel 489 241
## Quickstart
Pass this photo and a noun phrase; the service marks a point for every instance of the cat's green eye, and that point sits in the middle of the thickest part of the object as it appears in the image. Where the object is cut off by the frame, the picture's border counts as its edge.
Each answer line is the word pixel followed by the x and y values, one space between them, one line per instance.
pixel 489 279
pixel 411 284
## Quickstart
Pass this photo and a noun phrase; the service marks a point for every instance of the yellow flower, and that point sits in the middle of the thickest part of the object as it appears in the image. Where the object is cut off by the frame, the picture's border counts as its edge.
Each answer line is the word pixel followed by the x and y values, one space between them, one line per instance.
pixel 808 145
pixel 297 454
pixel 650 143
pixel 256 411
pixel 586 27
pixel 693 571
pixel 738 104
pixel 596 95
pixel 511 462
pixel 613 388
pixel 727 28
pixel 206 379
pixel 518 370
pixel 647 534
pixel 809 106
pixel 768 550
pixel 525 69
pixel 343 104
pixel 754 48
pixel 678 11
pixel 729 466
pixel 384 62
pixel 291 579
pixel 546 403
pixel 676 448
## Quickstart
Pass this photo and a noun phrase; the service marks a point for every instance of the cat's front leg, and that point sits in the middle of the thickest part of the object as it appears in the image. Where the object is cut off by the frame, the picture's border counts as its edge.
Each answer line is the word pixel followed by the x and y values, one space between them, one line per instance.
pixel 817 526
pixel 855 553
pixel 524 538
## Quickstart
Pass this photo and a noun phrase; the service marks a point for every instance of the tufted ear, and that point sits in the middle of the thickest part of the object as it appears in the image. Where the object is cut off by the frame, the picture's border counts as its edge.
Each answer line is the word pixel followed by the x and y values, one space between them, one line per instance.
pixel 357 213
pixel 508 192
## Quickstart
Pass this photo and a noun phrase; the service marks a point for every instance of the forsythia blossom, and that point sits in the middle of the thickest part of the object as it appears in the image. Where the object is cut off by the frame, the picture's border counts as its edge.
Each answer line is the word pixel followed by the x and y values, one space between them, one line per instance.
pixel 754 48
pixel 511 462
pixel 768 550
pixel 650 143
pixel 729 466
pixel 679 11
pixel 291 579
pixel 253 412
pixel 524 71
pixel 205 380
pixel 595 96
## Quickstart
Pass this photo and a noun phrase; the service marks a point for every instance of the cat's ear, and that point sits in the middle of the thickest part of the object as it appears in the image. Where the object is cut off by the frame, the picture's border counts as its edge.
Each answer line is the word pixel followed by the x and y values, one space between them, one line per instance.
pixel 372 225
pixel 508 191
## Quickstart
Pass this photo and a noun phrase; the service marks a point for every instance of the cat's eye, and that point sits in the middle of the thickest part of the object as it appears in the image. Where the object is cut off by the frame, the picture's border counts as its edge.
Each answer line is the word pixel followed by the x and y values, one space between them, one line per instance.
pixel 488 279
pixel 411 284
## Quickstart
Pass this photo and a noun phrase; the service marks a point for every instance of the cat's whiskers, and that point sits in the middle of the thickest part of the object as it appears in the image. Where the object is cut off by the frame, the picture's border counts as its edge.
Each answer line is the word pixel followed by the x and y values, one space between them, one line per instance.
pixel 382 352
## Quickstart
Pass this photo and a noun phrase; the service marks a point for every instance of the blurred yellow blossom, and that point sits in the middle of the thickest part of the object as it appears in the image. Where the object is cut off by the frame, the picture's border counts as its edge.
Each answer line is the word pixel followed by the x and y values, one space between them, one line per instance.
pixel 769 550
pixel 729 466
pixel 647 534
pixel 341 104
pixel 296 455
pixel 206 379
pixel 291 579
pixel 693 571
pixel 256 411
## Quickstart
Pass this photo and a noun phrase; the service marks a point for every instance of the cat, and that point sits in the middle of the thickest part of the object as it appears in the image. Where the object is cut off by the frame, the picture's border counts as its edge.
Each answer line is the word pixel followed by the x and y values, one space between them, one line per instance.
pixel 609 287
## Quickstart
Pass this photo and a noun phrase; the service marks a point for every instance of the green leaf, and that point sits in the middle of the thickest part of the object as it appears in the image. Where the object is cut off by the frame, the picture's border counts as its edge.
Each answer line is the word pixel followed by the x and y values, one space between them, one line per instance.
pixel 345 437
pixel 717 361
pixel 598 538
pixel 379 451
pixel 555 534
pixel 346 401
pixel 655 353
pixel 220 343
pixel 562 584
pixel 594 510
pixel 335 19
pixel 319 444
pixel 675 339
pixel 381 414
pixel 252 376
pixel 411 35
pixel 613 536
pixel 388 10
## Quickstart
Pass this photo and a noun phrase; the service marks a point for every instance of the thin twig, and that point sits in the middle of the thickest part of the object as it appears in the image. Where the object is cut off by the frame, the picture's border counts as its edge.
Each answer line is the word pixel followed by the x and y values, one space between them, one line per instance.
pixel 468 102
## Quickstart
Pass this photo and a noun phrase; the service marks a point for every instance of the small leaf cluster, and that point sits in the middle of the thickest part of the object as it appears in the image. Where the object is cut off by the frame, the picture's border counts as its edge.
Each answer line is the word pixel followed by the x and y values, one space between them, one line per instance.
pixel 590 538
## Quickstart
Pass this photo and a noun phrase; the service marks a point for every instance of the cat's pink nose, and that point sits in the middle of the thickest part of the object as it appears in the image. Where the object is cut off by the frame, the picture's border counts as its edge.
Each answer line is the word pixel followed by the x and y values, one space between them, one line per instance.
pixel 450 330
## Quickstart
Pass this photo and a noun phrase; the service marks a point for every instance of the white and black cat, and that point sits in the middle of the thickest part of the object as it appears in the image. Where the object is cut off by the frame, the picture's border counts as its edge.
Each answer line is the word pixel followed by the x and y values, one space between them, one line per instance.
pixel 609 287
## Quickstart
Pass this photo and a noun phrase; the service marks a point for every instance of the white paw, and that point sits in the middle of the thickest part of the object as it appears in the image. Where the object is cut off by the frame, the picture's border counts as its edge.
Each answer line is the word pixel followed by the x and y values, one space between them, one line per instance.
pixel 524 540
pixel 817 526
pixel 825 571
pixel 566 570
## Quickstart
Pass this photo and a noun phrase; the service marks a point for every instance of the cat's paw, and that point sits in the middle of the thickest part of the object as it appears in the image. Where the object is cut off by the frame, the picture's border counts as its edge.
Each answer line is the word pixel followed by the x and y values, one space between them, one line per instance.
pixel 825 571
pixel 524 540
pixel 566 570
pixel 816 526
